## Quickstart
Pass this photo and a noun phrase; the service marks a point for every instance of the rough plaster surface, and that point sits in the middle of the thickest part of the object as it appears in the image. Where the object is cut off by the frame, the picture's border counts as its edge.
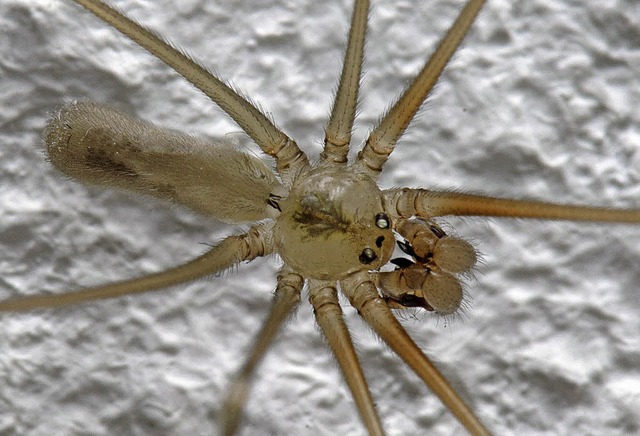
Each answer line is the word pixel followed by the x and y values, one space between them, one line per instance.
pixel 541 102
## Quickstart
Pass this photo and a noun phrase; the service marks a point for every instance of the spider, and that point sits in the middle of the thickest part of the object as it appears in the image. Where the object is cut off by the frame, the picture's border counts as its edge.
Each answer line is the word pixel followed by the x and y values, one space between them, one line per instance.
pixel 592 229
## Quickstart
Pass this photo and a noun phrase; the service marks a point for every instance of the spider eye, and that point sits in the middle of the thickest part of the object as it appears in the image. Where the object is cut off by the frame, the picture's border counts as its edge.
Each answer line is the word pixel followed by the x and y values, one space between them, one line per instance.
pixel 367 256
pixel 382 221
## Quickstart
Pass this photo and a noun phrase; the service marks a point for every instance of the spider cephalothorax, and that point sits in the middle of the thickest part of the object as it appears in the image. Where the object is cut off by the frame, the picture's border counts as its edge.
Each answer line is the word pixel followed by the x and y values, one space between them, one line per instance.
pixel 330 223
pixel 333 223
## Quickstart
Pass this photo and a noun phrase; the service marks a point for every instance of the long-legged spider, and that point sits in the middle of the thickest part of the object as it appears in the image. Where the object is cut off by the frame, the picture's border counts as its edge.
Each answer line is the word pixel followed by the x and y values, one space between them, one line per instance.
pixel 531 363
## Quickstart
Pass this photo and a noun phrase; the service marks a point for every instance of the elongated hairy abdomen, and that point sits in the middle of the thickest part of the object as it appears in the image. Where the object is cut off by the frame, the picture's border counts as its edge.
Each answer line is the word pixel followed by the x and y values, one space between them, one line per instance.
pixel 99 145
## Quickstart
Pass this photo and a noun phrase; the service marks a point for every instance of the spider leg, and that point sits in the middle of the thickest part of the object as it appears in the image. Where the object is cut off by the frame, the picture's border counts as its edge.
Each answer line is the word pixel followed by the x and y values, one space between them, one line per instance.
pixel 286 298
pixel 324 298
pixel 382 140
pixel 338 131
pixel 290 160
pixel 363 295
pixel 256 242
pixel 426 204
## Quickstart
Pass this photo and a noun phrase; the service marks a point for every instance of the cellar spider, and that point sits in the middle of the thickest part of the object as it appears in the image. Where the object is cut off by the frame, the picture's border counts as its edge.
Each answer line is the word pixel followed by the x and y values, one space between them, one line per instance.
pixel 481 366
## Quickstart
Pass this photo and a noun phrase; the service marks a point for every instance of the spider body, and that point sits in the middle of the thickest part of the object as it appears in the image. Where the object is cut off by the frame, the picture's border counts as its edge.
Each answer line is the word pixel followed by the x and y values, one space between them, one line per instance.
pixel 484 323
pixel 327 229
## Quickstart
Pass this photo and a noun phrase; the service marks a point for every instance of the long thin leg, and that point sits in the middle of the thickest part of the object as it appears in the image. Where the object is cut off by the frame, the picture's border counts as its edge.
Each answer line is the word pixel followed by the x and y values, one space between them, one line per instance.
pixel 289 158
pixel 383 138
pixel 324 298
pixel 426 204
pixel 338 132
pixel 286 298
pixel 364 296
pixel 256 242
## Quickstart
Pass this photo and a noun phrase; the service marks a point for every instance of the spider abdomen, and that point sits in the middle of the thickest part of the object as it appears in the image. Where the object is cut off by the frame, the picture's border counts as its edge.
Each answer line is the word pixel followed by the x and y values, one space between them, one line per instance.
pixel 100 145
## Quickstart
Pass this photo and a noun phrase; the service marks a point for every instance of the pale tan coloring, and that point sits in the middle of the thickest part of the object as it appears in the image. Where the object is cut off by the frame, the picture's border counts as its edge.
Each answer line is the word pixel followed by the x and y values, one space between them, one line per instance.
pixel 329 222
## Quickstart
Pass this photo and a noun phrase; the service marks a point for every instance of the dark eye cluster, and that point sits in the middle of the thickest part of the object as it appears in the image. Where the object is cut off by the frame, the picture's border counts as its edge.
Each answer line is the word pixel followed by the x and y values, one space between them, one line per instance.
pixel 368 255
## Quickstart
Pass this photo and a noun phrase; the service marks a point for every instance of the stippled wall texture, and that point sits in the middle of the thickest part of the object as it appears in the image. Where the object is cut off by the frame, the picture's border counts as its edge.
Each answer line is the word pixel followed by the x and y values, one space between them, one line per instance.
pixel 541 102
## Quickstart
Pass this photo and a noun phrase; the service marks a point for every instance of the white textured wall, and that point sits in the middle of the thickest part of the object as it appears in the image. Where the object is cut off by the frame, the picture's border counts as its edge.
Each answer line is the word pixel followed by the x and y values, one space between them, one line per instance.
pixel 541 102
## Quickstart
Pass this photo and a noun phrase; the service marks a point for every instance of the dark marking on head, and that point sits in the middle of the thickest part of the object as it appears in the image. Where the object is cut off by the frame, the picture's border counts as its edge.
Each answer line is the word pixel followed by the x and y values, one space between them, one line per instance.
pixel 320 216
